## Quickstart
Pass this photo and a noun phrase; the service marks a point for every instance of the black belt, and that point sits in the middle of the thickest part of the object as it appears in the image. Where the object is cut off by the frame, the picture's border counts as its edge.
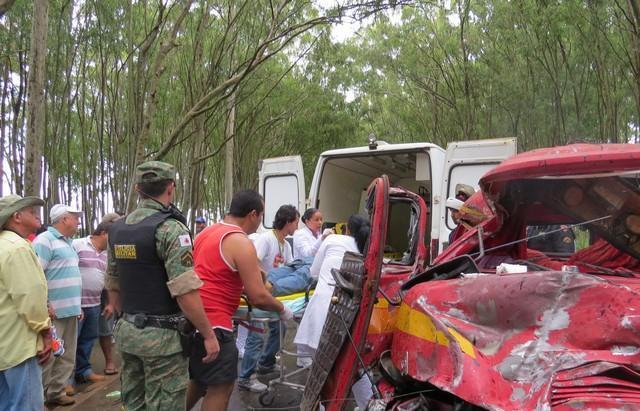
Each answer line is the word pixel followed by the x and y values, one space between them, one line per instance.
pixel 159 321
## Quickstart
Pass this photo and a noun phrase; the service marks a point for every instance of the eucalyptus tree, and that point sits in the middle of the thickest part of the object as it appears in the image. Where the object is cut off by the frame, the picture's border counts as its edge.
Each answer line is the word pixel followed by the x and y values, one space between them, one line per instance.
pixel 546 72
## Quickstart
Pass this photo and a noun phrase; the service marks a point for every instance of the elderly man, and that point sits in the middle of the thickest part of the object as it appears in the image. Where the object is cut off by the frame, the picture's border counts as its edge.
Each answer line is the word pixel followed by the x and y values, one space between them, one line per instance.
pixel 24 320
pixel 60 263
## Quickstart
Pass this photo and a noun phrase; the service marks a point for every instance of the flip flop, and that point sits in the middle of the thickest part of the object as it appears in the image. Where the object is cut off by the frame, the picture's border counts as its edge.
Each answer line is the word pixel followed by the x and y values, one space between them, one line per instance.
pixel 110 371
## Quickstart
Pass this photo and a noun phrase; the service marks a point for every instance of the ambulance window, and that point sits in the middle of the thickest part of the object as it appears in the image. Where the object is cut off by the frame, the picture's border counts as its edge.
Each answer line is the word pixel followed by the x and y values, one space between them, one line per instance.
pixel 278 190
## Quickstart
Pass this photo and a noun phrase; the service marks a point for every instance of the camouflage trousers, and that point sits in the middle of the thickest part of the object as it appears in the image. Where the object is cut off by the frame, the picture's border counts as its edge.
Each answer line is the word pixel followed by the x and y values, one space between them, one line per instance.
pixel 154 383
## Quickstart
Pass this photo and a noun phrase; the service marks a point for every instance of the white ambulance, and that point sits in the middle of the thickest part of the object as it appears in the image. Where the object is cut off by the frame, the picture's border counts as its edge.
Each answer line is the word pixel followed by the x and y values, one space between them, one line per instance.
pixel 341 178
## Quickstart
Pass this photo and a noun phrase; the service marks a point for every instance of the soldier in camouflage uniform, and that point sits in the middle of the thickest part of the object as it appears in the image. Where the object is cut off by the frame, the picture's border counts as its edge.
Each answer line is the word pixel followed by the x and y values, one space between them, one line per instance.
pixel 150 278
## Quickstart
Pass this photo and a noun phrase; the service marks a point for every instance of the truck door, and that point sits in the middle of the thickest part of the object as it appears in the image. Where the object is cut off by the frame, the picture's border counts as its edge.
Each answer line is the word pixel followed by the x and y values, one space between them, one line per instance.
pixel 281 181
pixel 342 343
pixel 466 162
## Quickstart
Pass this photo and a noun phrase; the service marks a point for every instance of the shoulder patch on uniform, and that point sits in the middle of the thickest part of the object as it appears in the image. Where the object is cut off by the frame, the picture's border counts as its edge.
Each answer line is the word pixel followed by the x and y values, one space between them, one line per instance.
pixel 185 240
pixel 187 259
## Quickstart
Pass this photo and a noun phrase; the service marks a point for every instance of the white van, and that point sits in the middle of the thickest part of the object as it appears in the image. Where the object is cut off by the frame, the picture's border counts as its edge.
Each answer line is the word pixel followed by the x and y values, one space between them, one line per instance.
pixel 342 176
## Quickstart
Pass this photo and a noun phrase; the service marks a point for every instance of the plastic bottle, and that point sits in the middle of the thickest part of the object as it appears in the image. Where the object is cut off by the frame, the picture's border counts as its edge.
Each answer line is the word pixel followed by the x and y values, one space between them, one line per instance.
pixel 57 344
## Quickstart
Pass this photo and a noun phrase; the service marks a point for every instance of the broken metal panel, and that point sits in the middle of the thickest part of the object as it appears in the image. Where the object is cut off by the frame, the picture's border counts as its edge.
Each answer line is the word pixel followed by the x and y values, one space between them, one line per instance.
pixel 539 340
pixel 502 342
pixel 393 275
pixel 342 311
pixel 601 385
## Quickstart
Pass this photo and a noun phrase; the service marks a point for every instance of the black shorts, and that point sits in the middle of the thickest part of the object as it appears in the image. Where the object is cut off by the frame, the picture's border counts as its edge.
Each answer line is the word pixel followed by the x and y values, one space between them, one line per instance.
pixel 224 369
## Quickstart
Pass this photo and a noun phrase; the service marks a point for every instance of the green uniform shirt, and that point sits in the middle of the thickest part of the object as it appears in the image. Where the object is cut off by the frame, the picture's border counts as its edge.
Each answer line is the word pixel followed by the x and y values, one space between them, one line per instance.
pixel 174 247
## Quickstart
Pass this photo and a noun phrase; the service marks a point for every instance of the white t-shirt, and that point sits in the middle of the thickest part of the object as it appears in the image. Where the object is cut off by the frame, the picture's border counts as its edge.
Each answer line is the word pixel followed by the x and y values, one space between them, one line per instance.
pixel 271 253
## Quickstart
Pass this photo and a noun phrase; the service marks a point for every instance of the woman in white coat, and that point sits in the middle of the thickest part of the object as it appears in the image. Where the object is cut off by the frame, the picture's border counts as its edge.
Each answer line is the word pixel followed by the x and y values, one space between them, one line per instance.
pixel 329 256
pixel 307 240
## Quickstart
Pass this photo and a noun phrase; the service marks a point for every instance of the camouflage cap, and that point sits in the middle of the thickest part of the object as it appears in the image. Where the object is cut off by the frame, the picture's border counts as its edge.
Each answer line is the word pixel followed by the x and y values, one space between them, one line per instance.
pixel 110 218
pixel 152 171
pixel 13 203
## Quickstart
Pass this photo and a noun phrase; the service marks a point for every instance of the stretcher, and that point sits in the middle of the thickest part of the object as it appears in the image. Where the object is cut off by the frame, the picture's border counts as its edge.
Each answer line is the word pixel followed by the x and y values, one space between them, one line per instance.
pixel 297 302
pixel 246 314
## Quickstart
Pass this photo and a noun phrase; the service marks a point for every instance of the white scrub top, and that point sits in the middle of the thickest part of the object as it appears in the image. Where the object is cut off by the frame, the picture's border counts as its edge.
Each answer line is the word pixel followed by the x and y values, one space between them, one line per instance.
pixel 329 256
pixel 305 244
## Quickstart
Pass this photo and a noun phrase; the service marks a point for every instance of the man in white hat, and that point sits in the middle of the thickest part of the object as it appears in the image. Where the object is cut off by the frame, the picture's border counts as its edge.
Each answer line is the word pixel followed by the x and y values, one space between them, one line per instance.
pixel 24 320
pixel 60 263
pixel 454 204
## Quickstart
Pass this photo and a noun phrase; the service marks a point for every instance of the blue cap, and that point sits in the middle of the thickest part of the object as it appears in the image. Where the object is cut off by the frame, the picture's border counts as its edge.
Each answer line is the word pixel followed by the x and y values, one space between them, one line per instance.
pixel 201 220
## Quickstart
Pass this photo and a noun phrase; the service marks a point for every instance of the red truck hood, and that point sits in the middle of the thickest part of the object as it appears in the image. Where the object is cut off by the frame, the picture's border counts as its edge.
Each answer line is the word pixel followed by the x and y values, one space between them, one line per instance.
pixel 537 340
pixel 569 160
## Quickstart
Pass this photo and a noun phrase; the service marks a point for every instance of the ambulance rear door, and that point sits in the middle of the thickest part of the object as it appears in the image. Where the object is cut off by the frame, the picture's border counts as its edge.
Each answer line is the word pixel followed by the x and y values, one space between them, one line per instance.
pixel 466 162
pixel 281 181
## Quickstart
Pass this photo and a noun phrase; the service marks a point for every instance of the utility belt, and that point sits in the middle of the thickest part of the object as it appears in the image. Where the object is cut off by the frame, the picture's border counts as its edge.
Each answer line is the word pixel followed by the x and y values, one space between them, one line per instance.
pixel 176 322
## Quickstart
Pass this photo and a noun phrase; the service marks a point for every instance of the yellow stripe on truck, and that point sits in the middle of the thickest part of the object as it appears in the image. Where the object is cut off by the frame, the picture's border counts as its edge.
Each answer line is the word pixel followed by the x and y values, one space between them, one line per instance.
pixel 420 325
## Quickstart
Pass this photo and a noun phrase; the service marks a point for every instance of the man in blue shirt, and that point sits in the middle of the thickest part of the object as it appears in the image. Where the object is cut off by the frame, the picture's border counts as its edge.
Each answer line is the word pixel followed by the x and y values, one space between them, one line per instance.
pixel 60 264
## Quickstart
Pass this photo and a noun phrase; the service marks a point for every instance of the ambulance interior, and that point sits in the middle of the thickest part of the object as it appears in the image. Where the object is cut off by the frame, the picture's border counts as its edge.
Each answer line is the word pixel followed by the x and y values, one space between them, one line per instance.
pixel 343 191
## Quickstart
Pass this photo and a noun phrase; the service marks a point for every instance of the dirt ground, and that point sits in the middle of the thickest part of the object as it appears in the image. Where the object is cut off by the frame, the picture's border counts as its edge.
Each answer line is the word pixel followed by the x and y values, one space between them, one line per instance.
pixel 106 395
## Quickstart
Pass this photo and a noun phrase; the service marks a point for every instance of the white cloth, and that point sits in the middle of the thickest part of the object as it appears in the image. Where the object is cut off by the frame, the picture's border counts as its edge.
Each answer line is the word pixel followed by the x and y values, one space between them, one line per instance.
pixel 329 256
pixel 362 391
pixel 241 339
pixel 269 248
pixel 305 243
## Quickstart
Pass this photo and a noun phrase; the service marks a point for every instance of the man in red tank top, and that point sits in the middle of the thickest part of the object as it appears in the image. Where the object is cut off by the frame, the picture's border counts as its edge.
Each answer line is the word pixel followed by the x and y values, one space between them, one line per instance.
pixel 226 261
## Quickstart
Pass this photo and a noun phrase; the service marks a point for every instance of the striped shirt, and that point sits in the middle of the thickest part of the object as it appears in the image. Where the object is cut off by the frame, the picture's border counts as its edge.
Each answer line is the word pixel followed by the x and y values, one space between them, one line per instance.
pixel 93 265
pixel 60 264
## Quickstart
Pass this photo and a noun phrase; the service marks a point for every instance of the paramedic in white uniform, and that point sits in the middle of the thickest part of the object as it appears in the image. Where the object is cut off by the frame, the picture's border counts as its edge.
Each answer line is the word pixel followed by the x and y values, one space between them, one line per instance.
pixel 330 256
pixel 307 240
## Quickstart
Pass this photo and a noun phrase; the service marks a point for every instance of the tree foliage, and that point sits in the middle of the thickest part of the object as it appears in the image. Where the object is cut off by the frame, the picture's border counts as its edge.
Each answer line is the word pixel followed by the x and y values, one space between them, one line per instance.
pixel 128 81
pixel 547 72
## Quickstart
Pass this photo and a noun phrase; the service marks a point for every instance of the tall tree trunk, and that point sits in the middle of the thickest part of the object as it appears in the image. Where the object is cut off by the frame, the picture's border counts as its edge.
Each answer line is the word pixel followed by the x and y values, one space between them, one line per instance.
pixel 634 59
pixel 3 122
pixel 148 109
pixel 35 98
pixel 228 150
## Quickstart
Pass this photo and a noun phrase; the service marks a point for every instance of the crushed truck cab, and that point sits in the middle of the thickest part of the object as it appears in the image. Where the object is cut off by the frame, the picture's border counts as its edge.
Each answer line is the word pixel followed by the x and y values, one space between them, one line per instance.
pixel 494 324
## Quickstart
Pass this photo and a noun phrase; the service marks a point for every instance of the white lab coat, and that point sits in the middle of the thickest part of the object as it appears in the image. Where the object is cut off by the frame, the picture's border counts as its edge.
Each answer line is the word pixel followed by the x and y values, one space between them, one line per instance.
pixel 329 256
pixel 305 243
